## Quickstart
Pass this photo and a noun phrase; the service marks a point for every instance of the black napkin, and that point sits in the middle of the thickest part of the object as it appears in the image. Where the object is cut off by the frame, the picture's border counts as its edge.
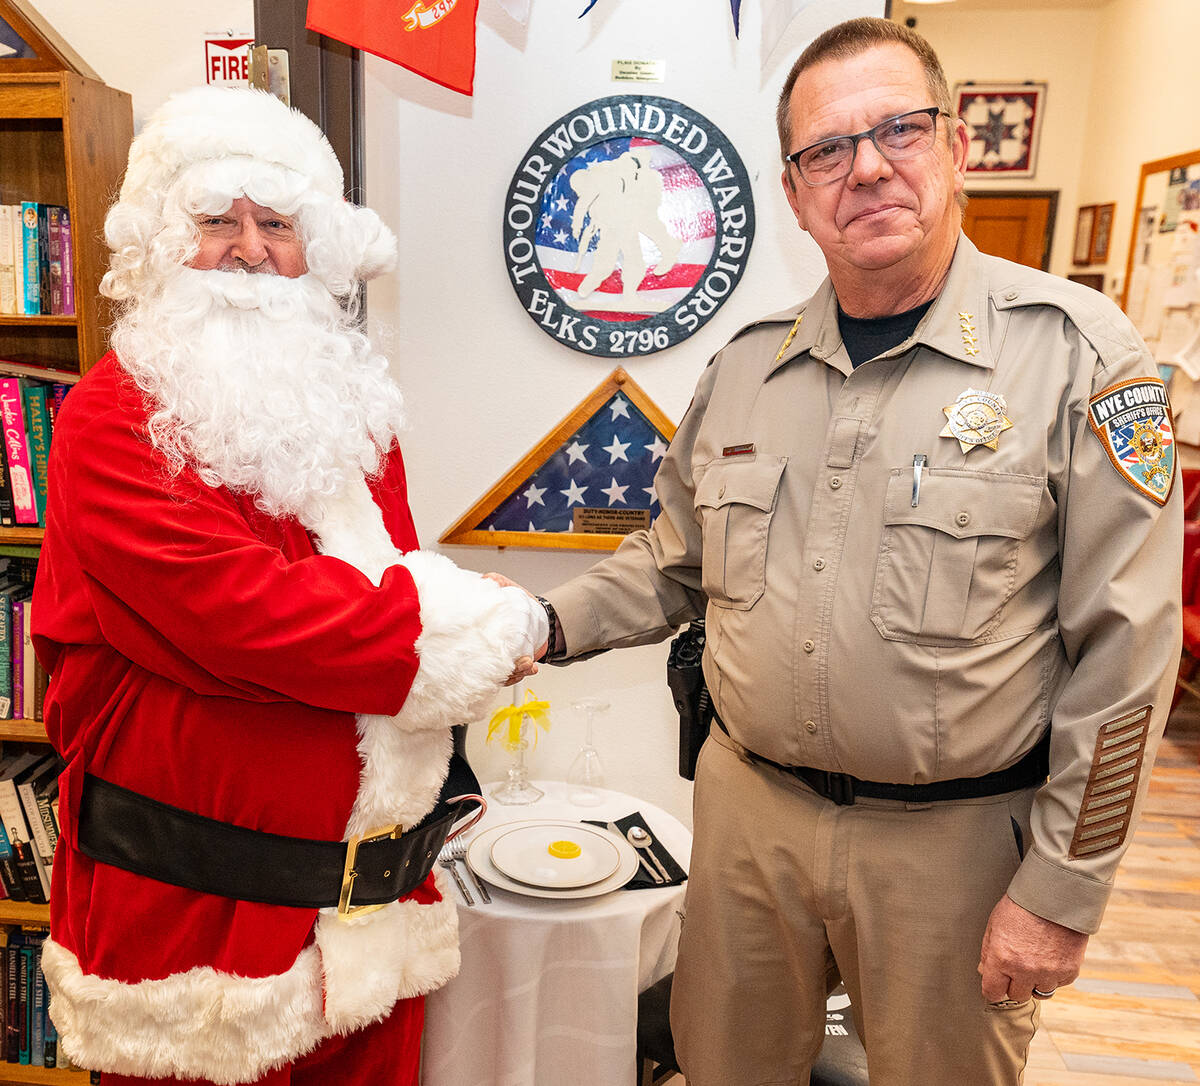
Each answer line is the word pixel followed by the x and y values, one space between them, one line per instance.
pixel 641 880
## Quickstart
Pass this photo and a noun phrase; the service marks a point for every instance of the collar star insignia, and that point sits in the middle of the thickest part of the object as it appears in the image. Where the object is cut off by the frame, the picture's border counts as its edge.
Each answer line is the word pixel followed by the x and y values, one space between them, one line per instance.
pixel 966 322
pixel 976 418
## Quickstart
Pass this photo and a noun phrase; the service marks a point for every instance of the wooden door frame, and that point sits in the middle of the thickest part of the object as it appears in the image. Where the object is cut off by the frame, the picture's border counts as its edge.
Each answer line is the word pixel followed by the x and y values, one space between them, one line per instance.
pixel 1025 194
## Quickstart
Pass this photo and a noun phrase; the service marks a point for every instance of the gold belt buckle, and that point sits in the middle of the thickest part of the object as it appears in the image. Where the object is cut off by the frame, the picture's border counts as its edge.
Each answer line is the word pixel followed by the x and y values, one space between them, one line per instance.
pixel 349 874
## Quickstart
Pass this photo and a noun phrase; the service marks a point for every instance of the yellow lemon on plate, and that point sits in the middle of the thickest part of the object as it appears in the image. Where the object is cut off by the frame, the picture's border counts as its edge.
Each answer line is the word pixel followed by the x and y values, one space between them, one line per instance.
pixel 564 850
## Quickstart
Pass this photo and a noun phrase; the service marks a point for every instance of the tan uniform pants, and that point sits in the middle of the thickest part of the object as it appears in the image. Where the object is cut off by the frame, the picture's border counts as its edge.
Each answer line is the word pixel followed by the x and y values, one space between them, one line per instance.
pixel 787 888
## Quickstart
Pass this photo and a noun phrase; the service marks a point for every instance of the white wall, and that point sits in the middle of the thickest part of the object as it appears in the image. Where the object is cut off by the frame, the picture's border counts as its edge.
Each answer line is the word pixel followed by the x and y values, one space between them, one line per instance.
pixel 484 384
pixel 147 48
pixel 1056 47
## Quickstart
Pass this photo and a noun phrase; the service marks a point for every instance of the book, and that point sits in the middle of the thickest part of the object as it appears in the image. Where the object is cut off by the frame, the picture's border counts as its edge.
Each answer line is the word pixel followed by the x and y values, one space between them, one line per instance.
pixel 18 256
pixel 16 451
pixel 16 643
pixel 8 870
pixel 12 1024
pixel 29 659
pixel 30 281
pixel 8 260
pixel 54 257
pixel 12 814
pixel 8 589
pixel 45 836
pixel 43 257
pixel 49 1032
pixel 24 983
pixel 68 262
pixel 37 433
pixel 37 1008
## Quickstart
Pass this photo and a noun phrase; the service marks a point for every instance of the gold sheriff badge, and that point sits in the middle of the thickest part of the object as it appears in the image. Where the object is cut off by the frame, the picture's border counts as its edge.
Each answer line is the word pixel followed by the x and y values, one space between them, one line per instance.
pixel 976 418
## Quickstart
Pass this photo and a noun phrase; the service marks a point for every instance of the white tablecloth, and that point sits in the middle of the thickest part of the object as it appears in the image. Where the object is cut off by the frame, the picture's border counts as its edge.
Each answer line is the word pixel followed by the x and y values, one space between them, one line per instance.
pixel 547 994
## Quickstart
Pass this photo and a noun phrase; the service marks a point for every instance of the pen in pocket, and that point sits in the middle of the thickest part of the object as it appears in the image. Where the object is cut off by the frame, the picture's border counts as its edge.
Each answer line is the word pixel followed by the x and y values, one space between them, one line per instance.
pixel 919 462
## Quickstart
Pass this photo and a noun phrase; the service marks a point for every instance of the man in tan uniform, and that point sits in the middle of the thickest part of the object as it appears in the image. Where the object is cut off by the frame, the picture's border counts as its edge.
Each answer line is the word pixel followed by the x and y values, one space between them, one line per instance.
pixel 930 519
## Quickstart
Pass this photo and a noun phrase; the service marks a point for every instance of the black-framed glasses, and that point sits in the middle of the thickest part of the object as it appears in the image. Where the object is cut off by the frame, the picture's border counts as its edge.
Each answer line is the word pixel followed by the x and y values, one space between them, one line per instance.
pixel 904 136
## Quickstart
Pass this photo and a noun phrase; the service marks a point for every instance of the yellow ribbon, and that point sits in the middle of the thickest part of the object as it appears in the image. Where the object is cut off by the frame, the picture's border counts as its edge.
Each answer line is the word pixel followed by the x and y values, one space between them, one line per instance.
pixel 511 718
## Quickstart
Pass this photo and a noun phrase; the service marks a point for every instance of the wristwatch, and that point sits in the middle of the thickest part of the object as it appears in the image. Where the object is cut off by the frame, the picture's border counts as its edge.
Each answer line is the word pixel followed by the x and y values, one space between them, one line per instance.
pixel 552 617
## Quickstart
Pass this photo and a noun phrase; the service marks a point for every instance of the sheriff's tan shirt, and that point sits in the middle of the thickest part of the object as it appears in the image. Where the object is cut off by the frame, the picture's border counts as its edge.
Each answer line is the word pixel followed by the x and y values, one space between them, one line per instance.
pixel 1031 584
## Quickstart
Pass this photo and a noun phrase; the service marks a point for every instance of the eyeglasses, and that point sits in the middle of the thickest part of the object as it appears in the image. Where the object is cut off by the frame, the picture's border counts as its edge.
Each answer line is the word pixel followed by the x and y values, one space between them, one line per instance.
pixel 905 136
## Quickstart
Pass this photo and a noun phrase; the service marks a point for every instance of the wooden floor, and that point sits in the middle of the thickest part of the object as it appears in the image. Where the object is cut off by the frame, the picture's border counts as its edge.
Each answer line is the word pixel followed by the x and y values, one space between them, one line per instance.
pixel 1133 1017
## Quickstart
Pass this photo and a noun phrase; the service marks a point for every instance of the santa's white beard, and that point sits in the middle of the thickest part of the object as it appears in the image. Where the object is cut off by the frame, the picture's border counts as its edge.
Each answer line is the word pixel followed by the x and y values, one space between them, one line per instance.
pixel 261 384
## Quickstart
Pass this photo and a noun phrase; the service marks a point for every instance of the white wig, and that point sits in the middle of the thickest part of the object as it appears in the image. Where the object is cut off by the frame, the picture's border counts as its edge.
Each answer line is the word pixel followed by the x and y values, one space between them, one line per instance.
pixel 206 147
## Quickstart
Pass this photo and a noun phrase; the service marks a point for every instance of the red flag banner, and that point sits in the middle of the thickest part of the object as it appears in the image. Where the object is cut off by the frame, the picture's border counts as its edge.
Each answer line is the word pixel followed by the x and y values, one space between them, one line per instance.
pixel 434 38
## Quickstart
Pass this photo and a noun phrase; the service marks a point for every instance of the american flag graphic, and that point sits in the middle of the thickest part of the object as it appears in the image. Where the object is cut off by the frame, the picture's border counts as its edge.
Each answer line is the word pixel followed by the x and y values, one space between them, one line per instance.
pixel 686 211
pixel 608 463
pixel 1155 474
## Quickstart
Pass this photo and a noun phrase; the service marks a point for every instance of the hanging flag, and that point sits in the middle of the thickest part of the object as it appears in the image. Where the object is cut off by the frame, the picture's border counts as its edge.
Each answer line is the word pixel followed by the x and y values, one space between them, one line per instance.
pixel 434 38
pixel 736 7
pixel 518 9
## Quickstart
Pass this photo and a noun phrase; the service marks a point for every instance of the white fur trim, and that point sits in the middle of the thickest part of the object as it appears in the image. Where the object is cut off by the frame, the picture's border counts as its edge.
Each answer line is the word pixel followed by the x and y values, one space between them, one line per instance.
pixel 206 123
pixel 225 1028
pixel 198 1024
pixel 371 961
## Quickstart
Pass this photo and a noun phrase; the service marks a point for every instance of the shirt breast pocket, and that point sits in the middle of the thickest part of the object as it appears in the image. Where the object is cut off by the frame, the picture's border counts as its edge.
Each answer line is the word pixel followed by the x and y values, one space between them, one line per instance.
pixel 735 500
pixel 947 567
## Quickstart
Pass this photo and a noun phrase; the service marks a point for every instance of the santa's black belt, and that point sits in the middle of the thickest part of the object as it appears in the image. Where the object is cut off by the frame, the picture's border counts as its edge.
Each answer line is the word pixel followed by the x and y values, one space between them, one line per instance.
pixel 142 835
pixel 1032 768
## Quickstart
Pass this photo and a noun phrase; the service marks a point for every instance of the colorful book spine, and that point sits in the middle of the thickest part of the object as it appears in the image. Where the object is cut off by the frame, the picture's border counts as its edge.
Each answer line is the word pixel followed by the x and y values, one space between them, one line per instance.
pixel 31 285
pixel 24 983
pixel 67 243
pixel 37 432
pixel 45 303
pixel 50 1033
pixel 8 869
pixel 16 450
pixel 8 259
pixel 37 1010
pixel 17 643
pixel 54 245
pixel 6 700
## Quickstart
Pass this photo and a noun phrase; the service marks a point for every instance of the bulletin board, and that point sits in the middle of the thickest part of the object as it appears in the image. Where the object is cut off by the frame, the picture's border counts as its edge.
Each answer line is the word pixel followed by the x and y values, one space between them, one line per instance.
pixel 1162 280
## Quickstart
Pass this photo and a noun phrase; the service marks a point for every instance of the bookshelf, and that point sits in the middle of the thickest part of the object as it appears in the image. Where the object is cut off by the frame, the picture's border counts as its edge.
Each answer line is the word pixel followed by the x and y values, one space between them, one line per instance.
pixel 64 139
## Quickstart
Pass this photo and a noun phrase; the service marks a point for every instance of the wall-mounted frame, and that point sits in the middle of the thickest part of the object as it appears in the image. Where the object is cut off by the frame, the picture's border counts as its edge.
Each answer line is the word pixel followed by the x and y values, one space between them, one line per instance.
pixel 1085 224
pixel 1095 280
pixel 1093 233
pixel 1102 233
pixel 1004 124
pixel 572 491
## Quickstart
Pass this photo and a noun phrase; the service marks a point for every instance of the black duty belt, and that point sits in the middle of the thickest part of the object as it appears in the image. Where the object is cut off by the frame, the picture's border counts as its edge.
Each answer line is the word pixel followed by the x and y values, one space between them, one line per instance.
pixel 142 835
pixel 1032 768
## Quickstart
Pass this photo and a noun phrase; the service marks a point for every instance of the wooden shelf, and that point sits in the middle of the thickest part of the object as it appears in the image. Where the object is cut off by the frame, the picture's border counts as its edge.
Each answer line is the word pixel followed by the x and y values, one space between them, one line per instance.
pixel 26 537
pixel 23 912
pixel 15 320
pixel 44 1076
pixel 23 731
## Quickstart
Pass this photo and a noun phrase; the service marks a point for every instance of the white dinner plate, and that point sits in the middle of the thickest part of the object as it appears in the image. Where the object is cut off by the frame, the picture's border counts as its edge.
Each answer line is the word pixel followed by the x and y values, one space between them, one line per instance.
pixel 480 861
pixel 555 855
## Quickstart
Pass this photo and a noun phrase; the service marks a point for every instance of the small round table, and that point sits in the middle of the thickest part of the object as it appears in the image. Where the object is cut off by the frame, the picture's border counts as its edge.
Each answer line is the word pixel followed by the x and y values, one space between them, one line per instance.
pixel 548 989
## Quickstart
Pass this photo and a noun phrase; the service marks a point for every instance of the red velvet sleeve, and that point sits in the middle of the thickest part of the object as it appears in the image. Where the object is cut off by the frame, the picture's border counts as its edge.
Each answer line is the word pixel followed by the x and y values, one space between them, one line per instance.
pixel 193 584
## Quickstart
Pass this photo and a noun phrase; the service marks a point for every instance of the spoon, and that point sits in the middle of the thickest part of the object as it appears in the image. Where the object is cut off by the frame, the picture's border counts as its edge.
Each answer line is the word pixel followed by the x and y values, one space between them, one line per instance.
pixel 640 839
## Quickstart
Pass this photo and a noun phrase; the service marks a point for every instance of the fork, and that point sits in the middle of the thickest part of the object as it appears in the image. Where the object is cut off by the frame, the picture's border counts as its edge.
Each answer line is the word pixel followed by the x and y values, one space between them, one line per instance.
pixel 458 849
pixel 447 859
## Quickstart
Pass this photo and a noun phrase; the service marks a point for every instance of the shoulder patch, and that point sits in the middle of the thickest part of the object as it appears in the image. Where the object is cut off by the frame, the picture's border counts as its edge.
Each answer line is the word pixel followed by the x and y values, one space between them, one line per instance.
pixel 1132 419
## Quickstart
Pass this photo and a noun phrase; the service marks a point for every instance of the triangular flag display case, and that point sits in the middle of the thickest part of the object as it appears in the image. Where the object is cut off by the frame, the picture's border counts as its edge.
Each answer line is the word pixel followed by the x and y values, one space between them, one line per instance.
pixel 586 485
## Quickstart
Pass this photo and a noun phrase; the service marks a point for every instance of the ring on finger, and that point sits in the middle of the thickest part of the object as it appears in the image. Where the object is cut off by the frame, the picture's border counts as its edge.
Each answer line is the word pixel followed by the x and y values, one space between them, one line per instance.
pixel 1039 994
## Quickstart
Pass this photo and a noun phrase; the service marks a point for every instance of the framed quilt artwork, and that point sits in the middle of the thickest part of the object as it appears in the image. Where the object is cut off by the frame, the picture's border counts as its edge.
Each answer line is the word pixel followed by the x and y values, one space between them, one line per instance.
pixel 1004 122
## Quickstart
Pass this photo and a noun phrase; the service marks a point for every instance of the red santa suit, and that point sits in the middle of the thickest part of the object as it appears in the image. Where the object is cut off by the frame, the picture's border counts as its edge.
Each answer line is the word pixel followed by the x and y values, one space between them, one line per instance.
pixel 213 658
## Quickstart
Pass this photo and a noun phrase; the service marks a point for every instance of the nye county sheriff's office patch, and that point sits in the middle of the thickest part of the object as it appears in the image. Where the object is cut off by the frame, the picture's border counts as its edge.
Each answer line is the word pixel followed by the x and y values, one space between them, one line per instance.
pixel 1133 421
pixel 627 225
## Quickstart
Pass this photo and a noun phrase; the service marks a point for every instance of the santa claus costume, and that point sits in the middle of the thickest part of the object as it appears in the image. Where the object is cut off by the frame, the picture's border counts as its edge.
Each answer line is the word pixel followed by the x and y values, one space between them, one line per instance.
pixel 239 626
